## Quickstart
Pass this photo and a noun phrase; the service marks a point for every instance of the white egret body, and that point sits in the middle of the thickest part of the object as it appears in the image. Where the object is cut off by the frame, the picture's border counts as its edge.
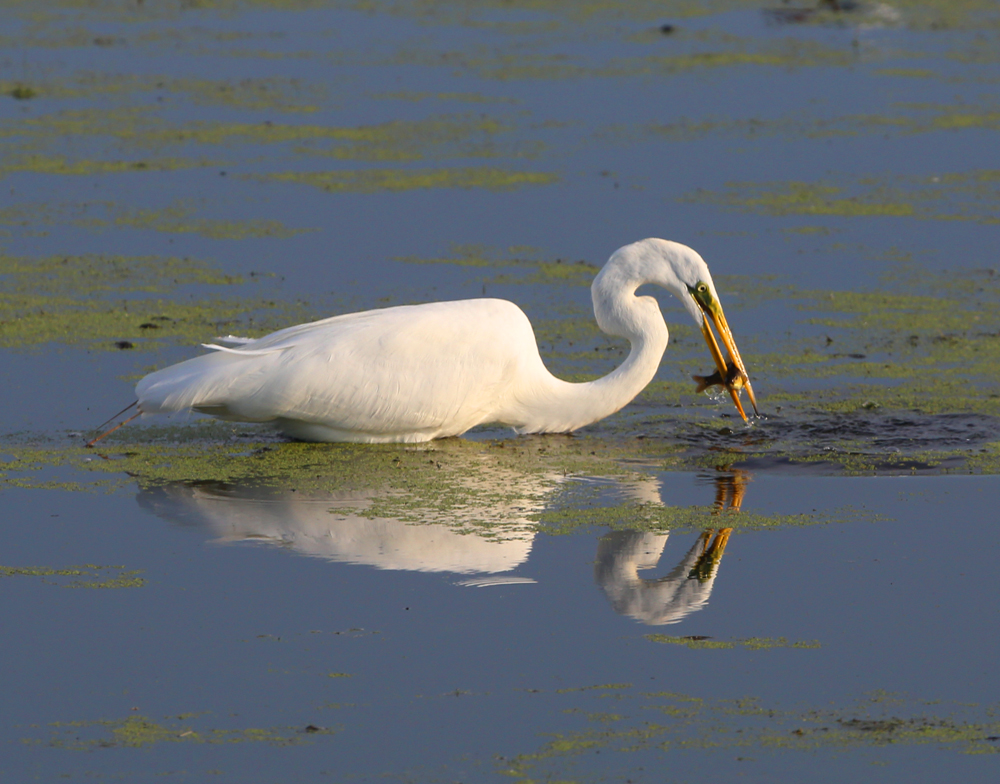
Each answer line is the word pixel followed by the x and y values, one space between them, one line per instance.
pixel 418 372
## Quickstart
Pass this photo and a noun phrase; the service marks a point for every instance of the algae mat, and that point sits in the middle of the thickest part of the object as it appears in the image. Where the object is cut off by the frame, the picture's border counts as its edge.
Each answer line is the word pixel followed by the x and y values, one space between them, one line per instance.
pixel 667 592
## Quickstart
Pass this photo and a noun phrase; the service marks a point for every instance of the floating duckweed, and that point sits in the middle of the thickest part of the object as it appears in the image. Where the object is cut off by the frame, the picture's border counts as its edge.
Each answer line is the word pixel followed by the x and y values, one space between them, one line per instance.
pixel 88 576
pixel 288 95
pixel 751 643
pixel 142 129
pixel 497 489
pixel 57 164
pixel 958 196
pixel 21 92
pixel 906 119
pixel 142 732
pixel 540 269
pixel 687 722
pixel 92 300
pixel 633 516
pixel 379 180
pixel 175 218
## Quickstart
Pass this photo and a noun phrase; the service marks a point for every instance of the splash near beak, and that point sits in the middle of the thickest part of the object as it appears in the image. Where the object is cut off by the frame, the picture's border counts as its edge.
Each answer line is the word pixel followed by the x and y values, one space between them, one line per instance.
pixel 733 373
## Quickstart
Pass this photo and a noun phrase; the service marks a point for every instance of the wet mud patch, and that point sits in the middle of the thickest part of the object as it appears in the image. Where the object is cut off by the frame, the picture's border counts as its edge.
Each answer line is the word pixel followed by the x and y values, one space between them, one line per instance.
pixel 898 378
pixel 854 443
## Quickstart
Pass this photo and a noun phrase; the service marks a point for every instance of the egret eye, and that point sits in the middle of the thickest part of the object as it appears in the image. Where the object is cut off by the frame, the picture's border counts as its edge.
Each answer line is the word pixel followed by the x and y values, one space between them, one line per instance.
pixel 702 288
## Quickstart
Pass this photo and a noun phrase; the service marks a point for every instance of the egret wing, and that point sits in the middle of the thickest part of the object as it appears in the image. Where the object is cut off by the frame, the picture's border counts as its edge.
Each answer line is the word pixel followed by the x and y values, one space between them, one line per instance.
pixel 397 370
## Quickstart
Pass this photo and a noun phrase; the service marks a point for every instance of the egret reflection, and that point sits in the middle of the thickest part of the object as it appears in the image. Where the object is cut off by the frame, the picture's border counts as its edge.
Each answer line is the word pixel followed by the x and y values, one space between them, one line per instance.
pixel 330 526
pixel 341 527
pixel 621 555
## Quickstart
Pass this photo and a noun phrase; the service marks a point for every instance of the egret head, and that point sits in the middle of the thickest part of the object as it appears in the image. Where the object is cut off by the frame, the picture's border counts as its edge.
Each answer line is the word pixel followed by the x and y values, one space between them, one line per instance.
pixel 682 271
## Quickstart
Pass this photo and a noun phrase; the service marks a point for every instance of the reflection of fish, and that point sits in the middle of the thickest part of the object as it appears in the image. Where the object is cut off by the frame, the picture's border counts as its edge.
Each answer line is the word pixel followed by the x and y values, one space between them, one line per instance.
pixel 734 379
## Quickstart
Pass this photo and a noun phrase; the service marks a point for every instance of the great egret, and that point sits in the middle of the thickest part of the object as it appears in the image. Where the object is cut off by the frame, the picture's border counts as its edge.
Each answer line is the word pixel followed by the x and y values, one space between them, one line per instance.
pixel 417 372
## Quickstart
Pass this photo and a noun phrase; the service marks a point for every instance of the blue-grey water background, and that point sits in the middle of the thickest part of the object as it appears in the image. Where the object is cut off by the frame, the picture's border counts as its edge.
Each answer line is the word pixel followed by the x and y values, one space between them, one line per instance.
pixel 323 157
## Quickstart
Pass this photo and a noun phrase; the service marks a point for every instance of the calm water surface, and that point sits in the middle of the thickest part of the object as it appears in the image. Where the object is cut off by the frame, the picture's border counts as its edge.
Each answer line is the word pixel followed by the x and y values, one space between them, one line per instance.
pixel 665 595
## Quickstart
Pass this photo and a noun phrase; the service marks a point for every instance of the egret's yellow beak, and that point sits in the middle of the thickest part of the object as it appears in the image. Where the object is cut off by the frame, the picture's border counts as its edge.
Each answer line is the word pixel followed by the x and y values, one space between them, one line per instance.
pixel 713 312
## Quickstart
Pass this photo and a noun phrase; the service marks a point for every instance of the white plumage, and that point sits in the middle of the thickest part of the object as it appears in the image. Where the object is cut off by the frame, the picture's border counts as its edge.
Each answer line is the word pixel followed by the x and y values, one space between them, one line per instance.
pixel 418 372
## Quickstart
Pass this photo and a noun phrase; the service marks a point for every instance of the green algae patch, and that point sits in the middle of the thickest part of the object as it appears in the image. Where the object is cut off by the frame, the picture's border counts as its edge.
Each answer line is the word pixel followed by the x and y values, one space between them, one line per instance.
pixel 267 94
pixel 799 198
pixel 109 302
pixel 963 196
pixel 667 721
pixel 714 55
pixel 254 94
pixel 145 132
pixel 87 576
pixel 490 488
pixel 137 732
pixel 19 92
pixel 57 164
pixel 750 643
pixel 177 218
pixel 909 73
pixel 123 326
pixel 821 199
pixel 495 489
pixel 533 266
pixel 602 687
pixel 396 180
pixel 398 140
pixel 632 516
pixel 420 96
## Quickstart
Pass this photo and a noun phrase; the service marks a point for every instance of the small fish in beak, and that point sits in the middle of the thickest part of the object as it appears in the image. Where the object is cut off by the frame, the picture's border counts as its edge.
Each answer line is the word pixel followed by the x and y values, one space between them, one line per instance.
pixel 734 380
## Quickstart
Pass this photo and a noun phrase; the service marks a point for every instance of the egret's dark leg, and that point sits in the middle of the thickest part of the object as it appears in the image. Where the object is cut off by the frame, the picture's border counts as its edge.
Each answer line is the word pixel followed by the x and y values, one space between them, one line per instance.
pixel 112 430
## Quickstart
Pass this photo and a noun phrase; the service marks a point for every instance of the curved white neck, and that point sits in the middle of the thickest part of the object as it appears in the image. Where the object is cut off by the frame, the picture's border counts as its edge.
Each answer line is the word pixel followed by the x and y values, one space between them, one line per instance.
pixel 555 406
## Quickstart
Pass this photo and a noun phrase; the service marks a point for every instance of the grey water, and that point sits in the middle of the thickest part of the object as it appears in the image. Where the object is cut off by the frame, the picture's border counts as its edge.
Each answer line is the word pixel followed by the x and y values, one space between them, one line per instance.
pixel 421 673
